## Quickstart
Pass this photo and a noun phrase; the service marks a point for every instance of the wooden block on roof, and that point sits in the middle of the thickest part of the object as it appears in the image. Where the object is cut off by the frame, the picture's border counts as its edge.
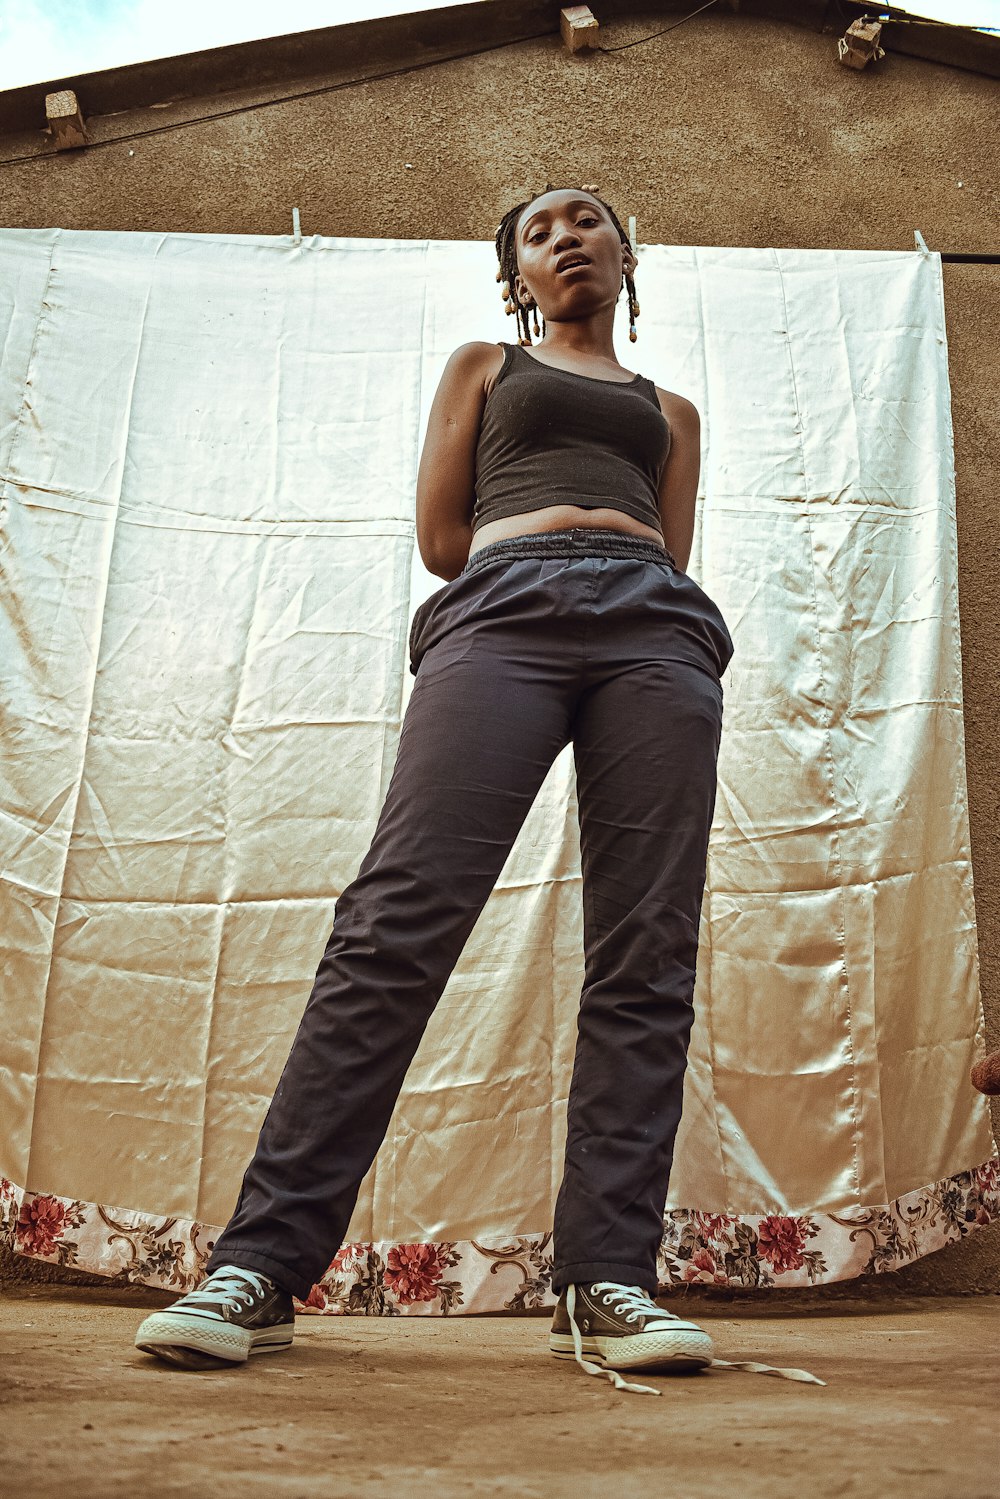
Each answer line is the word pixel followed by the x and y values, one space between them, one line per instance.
pixel 860 44
pixel 65 120
pixel 579 27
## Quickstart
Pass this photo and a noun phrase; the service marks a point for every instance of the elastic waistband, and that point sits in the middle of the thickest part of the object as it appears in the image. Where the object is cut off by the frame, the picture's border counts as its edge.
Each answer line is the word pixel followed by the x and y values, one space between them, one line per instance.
pixel 577 541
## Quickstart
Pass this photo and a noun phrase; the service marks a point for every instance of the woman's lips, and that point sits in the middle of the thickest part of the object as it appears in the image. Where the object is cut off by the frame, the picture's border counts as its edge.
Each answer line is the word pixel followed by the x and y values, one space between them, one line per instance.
pixel 584 265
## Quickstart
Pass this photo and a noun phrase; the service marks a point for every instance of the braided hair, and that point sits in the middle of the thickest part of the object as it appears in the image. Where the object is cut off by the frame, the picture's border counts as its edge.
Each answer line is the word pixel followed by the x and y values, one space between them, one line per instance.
pixel 508 269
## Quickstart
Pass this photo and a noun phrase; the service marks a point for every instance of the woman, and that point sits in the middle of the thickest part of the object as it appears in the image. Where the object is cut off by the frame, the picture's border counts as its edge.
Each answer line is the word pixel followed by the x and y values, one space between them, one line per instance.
pixel 564 617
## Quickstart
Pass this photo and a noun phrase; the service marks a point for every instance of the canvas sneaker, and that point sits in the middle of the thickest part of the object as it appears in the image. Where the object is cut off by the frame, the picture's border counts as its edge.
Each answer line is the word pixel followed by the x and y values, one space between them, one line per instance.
pixel 233 1313
pixel 621 1327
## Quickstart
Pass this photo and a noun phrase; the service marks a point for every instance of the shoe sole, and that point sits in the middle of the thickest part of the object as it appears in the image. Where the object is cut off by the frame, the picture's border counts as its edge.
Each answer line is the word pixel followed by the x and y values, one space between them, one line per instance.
pixel 199 1343
pixel 650 1350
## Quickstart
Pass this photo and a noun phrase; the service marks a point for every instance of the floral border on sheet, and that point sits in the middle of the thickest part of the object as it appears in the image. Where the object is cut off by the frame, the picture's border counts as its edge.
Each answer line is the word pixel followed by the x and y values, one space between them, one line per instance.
pixel 514 1274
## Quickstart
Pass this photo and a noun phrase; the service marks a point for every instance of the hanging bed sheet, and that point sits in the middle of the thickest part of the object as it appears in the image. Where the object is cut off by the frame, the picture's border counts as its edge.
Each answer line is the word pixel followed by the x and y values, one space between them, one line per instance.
pixel 208 452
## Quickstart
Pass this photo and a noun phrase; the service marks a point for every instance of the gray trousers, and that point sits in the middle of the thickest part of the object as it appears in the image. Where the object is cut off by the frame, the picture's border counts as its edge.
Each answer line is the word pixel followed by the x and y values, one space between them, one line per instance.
pixel 584 636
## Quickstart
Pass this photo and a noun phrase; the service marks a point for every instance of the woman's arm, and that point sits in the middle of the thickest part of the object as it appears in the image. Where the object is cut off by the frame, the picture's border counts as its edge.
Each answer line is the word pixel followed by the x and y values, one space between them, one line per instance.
pixel 679 480
pixel 446 476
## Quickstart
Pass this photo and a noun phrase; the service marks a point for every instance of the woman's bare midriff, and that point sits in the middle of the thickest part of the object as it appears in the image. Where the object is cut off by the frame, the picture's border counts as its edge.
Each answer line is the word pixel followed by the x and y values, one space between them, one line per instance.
pixel 557 518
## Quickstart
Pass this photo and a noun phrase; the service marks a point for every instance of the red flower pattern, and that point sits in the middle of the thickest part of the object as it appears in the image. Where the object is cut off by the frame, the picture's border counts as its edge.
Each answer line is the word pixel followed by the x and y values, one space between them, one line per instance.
pixel 413 1272
pixel 780 1241
pixel 348 1252
pixel 40 1223
pixel 702 1267
pixel 710 1225
pixel 988 1175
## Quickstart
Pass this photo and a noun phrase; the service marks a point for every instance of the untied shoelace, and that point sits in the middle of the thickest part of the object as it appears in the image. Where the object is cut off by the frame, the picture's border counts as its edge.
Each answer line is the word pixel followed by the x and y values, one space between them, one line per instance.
pixel 634 1299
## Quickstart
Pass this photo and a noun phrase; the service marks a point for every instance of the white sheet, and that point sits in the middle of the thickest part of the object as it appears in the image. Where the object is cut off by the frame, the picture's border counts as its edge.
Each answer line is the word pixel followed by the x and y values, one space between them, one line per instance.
pixel 209 447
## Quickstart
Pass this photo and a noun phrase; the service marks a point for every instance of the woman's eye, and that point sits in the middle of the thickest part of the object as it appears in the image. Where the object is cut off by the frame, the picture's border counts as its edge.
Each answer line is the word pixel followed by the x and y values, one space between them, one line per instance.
pixel 533 237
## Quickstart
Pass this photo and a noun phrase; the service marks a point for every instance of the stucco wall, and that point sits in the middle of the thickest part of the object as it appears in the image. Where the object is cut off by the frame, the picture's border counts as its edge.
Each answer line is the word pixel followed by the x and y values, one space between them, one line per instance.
pixel 728 129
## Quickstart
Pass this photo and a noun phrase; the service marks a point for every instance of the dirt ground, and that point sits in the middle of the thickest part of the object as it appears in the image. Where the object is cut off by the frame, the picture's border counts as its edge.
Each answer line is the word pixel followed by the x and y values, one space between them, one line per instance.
pixel 469 1406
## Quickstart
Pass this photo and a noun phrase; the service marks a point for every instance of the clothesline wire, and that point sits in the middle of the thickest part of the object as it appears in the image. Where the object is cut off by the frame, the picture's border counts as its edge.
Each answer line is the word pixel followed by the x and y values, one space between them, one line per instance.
pixel 326 88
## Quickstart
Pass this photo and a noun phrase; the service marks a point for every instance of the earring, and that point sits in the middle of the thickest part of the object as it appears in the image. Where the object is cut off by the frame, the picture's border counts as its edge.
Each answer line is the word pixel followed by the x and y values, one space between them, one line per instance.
pixel 633 313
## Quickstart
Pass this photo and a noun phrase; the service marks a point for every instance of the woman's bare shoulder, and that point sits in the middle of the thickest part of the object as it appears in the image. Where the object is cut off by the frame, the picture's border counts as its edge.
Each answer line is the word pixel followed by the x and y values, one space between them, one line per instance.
pixel 479 361
pixel 676 408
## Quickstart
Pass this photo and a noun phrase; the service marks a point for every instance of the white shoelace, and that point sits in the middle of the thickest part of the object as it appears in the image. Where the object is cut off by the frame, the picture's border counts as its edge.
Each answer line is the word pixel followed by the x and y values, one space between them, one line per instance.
pixel 230 1285
pixel 635 1301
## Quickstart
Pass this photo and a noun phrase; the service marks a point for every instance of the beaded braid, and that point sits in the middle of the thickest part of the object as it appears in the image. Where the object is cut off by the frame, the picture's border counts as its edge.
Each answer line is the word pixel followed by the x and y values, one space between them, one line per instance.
pixel 507 257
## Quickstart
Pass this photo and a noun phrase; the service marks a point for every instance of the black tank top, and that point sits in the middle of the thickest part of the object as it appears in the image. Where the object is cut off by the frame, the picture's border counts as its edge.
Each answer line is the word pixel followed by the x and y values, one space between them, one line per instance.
pixel 552 437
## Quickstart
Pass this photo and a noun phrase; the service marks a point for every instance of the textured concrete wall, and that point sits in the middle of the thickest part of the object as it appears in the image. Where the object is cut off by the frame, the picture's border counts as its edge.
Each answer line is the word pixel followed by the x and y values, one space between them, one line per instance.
pixel 729 129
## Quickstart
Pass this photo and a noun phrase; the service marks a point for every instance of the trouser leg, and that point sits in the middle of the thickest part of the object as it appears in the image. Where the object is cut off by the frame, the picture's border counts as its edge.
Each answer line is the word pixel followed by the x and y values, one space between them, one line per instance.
pixel 646 741
pixel 480 732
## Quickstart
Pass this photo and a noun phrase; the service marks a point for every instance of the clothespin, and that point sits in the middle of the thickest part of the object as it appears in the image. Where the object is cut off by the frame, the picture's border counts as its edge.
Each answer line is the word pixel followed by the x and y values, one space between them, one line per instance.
pixel 631 234
pixel 296 228
pixel 921 242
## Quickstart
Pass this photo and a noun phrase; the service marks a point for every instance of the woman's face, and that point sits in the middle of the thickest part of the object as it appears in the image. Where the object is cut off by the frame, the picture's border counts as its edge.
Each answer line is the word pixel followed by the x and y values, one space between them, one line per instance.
pixel 552 228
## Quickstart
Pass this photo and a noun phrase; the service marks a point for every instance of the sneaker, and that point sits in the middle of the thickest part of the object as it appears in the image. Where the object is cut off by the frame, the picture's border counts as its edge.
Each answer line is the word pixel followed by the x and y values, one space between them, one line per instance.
pixel 233 1313
pixel 621 1327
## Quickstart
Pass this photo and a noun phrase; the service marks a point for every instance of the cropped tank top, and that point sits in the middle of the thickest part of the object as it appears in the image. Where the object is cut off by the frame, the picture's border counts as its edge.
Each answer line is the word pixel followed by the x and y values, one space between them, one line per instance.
pixel 553 437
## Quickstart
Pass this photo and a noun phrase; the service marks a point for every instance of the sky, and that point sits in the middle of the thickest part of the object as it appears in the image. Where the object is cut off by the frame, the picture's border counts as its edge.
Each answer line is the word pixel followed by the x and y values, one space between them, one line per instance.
pixel 43 40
